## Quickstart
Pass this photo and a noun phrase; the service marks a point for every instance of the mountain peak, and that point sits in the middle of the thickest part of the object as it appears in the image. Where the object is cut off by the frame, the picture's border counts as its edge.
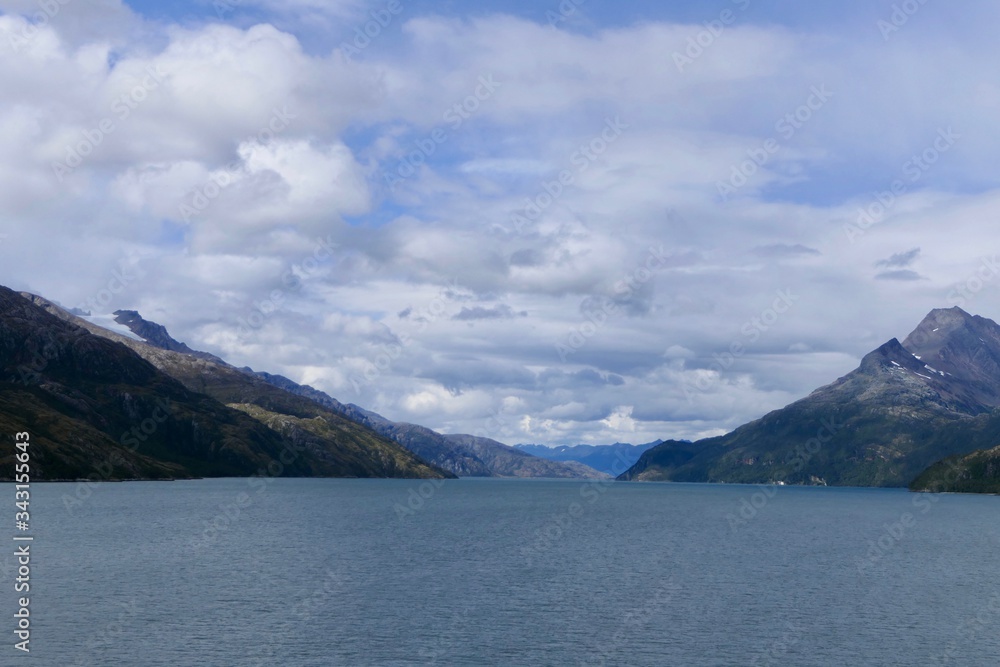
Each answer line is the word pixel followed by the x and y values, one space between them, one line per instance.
pixel 157 335
pixel 887 352
pixel 963 346
pixel 153 333
pixel 944 319
pixel 907 405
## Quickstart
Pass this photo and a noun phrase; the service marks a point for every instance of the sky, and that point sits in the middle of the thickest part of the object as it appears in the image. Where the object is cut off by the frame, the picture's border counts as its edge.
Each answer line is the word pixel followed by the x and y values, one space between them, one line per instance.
pixel 540 222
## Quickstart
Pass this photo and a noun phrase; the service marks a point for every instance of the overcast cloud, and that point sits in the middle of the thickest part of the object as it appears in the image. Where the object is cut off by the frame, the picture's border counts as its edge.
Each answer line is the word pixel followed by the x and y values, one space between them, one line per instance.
pixel 539 222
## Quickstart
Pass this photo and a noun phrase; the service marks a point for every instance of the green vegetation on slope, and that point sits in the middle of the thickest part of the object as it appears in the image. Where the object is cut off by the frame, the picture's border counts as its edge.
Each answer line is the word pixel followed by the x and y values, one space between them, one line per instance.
pixel 94 408
pixel 102 405
pixel 356 449
pixel 978 472
pixel 880 425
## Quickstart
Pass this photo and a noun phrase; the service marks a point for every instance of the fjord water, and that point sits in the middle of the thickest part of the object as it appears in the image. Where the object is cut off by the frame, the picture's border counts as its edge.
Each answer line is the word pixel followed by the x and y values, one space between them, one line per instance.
pixel 498 572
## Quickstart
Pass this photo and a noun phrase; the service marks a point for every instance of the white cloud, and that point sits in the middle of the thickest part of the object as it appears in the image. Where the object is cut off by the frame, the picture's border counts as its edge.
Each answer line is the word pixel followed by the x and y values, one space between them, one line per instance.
pixel 286 144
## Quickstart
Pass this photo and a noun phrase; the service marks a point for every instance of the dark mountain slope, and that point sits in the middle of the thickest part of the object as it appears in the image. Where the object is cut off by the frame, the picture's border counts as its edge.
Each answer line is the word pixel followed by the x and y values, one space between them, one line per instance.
pixel 157 336
pixel 978 472
pixel 93 407
pixel 879 425
pixel 966 349
pixel 336 446
pixel 484 458
pixel 466 456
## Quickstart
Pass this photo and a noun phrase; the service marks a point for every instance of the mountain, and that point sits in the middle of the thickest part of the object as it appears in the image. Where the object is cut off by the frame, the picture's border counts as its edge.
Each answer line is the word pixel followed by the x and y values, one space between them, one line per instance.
pixel 906 406
pixel 93 408
pixel 613 459
pixel 506 461
pixel 463 455
pixel 275 395
pixel 157 336
pixel 963 348
pixel 429 445
pixel 978 472
pixel 313 440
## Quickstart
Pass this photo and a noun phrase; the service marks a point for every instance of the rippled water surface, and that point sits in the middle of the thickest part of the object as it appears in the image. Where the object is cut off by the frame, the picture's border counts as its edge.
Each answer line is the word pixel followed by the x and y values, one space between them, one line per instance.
pixel 499 572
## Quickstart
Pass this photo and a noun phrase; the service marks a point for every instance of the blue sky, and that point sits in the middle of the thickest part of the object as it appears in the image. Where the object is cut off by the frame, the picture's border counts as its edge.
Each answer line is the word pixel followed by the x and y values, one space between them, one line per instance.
pixel 595 13
pixel 483 221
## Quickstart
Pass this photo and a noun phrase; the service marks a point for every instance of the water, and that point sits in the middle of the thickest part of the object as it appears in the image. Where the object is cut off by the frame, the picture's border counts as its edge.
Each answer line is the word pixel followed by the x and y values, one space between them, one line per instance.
pixel 497 572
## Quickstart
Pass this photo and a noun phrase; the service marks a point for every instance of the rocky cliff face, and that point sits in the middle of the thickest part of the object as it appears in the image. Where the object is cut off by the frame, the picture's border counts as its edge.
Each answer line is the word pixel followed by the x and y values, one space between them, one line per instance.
pixel 964 350
pixel 156 335
pixel 906 406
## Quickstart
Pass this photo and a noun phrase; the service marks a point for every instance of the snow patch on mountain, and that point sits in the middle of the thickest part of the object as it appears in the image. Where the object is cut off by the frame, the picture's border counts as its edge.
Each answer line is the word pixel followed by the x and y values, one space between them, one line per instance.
pixel 108 322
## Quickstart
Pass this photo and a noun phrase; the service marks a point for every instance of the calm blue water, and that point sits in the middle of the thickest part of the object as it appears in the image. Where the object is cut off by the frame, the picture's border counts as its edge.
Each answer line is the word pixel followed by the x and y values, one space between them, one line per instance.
pixel 497 572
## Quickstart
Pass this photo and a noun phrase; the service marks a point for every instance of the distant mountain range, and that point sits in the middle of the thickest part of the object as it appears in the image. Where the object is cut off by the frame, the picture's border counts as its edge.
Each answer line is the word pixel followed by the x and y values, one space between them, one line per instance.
pixel 907 406
pixel 221 421
pixel 137 404
pixel 612 459
pixel 463 455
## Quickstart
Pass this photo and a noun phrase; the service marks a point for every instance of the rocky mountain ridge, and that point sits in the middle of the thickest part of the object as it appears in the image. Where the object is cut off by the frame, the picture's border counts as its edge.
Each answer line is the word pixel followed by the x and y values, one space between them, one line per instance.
pixel 905 407
pixel 276 395
pixel 104 381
